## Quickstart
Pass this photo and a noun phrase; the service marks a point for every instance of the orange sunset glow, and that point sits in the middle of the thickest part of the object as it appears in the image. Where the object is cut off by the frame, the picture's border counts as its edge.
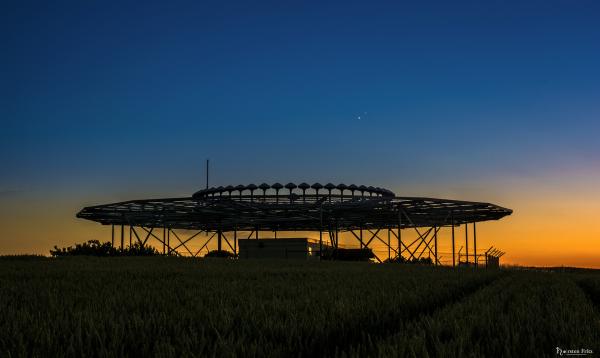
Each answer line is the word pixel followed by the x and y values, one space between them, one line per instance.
pixel 553 224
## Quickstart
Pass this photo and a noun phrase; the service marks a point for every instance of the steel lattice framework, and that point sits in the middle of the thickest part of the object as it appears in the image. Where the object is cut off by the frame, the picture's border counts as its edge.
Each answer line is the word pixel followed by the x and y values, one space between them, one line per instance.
pixel 329 208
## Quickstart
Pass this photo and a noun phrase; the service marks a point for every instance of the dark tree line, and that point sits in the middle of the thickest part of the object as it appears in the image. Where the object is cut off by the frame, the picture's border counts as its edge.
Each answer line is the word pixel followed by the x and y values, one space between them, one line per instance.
pixel 105 249
pixel 221 254
pixel 402 260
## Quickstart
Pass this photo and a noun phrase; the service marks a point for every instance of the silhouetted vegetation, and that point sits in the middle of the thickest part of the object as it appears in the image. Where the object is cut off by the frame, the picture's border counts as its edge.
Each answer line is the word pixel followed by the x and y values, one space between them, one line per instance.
pixel 403 260
pixel 96 248
pixel 22 257
pixel 220 254
pixel 341 254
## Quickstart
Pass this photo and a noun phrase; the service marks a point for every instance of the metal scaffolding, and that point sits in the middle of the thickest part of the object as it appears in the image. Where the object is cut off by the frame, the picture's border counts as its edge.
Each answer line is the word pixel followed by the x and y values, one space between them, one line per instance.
pixel 364 212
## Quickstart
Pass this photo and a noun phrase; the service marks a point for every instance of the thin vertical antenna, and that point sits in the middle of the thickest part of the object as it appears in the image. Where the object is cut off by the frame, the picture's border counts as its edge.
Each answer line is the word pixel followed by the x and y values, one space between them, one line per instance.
pixel 206 173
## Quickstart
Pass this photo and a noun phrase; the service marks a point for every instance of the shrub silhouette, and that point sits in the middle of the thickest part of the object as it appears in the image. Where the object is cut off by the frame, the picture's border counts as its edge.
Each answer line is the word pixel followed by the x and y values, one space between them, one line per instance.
pixel 221 254
pixel 96 248
pixel 422 261
pixel 402 260
pixel 348 254
pixel 137 249
pixel 395 260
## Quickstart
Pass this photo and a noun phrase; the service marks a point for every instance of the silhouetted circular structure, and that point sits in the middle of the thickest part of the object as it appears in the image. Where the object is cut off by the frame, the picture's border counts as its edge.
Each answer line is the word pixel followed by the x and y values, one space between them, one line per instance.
pixel 292 207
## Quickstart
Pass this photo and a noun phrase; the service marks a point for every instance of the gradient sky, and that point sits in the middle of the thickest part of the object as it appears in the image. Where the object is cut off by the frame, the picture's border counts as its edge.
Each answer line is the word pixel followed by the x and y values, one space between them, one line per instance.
pixel 479 100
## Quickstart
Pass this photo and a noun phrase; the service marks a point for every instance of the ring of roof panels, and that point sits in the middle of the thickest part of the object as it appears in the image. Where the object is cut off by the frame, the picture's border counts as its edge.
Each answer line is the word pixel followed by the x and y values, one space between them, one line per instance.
pixel 301 207
pixel 302 192
pixel 223 213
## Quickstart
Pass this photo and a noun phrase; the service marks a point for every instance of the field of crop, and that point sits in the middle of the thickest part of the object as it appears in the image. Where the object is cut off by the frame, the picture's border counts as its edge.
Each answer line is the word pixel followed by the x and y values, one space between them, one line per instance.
pixel 158 306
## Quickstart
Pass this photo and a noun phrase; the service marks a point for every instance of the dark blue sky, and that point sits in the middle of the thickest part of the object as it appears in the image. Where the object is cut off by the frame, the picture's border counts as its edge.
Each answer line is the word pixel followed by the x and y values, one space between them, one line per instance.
pixel 102 97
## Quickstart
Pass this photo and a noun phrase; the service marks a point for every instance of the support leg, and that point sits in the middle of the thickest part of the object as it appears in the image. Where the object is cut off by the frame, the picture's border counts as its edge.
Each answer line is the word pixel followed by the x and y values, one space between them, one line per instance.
pixel 474 244
pixel 453 254
pixel 320 231
pixel 361 238
pixel 399 235
pixel 435 246
pixel 467 242
pixel 219 240
pixel 389 248
pixel 320 243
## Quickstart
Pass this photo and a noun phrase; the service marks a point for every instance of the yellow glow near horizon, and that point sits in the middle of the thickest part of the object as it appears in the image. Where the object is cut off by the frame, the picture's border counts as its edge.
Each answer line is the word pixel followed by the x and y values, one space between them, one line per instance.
pixel 554 222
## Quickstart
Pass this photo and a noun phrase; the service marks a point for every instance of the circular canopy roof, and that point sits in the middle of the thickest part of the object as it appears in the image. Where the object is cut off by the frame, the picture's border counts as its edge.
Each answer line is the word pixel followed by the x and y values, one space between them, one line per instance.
pixel 294 208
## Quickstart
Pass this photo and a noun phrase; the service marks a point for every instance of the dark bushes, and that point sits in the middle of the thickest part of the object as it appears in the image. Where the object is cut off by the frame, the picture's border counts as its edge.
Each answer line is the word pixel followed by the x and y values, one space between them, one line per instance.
pixel 402 260
pixel 96 248
pixel 220 254
pixel 348 254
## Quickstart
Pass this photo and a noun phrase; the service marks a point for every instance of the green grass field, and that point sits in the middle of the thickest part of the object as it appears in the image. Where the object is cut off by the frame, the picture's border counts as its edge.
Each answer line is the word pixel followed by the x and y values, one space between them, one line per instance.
pixel 158 306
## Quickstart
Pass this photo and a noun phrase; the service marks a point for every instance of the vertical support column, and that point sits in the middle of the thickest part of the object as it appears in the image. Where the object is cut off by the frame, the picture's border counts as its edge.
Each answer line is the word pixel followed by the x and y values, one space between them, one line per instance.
pixel 321 233
pixel 235 241
pixel 435 247
pixel 113 235
pixel 467 243
pixel 453 254
pixel 320 243
pixel 389 248
pixel 164 239
pixel 220 234
pixel 361 237
pixel 256 233
pixel 169 241
pixel 122 236
pixel 399 234
pixel 130 229
pixel 474 244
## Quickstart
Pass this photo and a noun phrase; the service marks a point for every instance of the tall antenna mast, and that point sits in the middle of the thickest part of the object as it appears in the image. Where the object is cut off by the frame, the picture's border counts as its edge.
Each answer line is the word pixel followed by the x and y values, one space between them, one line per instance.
pixel 206 173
